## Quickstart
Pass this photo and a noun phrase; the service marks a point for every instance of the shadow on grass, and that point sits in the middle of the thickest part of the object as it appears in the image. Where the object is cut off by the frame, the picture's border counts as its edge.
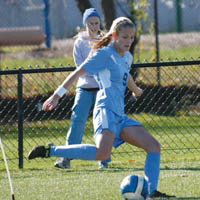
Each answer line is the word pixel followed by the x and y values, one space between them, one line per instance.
pixel 181 168
pixel 179 198
pixel 164 168
pixel 111 169
pixel 182 198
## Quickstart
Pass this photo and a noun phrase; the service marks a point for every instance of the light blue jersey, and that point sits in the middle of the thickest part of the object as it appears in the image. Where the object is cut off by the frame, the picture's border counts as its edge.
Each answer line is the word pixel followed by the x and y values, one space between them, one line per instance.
pixel 111 72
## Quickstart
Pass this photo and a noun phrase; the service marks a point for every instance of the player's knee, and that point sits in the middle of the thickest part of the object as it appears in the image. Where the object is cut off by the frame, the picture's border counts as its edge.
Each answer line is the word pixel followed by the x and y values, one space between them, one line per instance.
pixel 157 146
pixel 154 146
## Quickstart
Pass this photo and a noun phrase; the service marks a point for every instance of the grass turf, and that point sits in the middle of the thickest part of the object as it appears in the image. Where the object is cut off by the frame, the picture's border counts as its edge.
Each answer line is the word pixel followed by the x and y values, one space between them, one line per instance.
pixel 40 180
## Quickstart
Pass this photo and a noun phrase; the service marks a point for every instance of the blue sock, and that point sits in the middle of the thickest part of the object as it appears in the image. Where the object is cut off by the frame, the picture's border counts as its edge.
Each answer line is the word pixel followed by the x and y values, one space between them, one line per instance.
pixel 152 170
pixel 75 151
pixel 106 161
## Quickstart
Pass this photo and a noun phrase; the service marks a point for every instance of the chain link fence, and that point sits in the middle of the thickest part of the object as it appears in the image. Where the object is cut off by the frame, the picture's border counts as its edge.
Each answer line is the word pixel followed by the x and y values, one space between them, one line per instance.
pixel 170 110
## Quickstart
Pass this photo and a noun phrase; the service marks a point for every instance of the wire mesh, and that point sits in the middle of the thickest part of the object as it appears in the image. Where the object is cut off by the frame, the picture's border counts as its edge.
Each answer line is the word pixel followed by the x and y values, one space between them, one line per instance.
pixel 169 110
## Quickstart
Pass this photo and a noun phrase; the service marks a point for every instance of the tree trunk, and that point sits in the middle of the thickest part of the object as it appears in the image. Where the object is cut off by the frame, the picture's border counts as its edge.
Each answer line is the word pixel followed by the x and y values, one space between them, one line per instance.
pixel 108 11
pixel 83 5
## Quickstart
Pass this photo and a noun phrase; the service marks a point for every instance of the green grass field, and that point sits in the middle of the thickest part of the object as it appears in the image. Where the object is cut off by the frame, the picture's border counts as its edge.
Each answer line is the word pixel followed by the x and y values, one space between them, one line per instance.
pixel 181 53
pixel 40 180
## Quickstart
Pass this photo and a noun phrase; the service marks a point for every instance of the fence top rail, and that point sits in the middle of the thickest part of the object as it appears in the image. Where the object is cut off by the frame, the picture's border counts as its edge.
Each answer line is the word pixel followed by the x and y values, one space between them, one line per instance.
pixel 67 69
pixel 41 70
pixel 167 64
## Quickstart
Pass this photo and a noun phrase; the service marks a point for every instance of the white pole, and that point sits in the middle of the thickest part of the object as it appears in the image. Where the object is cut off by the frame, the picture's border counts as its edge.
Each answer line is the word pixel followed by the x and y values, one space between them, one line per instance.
pixel 6 164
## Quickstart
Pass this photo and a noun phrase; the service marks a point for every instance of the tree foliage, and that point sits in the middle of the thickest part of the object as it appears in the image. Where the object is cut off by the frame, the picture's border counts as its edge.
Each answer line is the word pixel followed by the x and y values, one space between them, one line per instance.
pixel 83 5
pixel 139 15
pixel 109 13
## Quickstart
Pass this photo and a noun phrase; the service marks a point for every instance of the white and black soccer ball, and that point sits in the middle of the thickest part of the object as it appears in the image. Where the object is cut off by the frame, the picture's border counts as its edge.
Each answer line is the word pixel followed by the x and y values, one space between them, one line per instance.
pixel 134 187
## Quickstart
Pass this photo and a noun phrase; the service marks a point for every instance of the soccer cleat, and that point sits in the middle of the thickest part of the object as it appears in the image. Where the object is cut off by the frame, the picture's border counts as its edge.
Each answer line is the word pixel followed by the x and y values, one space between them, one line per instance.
pixel 161 195
pixel 63 163
pixel 103 165
pixel 40 151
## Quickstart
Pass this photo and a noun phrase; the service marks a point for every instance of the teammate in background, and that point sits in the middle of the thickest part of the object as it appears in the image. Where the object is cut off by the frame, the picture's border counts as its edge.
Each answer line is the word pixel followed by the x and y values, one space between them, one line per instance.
pixel 87 87
pixel 110 65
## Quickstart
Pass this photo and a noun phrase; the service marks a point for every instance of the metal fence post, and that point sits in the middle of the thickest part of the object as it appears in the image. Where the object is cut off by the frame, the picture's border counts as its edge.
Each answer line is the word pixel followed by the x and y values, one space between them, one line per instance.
pixel 156 38
pixel 20 117
pixel 179 27
pixel 0 70
pixel 47 23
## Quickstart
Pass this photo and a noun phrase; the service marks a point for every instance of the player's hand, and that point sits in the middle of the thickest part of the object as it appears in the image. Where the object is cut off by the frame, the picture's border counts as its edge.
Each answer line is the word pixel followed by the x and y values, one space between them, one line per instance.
pixel 138 92
pixel 51 102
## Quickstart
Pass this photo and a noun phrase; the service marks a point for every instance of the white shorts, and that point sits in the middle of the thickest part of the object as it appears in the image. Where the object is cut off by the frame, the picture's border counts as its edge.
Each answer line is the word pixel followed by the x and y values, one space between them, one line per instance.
pixel 106 119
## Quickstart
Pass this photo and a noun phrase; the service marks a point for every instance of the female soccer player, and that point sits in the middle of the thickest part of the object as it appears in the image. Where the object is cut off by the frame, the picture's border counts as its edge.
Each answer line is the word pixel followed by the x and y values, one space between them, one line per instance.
pixel 110 65
pixel 87 87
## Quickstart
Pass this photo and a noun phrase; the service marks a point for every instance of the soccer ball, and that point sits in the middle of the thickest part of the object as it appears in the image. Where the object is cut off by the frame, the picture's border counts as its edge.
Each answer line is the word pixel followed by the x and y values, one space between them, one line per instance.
pixel 134 187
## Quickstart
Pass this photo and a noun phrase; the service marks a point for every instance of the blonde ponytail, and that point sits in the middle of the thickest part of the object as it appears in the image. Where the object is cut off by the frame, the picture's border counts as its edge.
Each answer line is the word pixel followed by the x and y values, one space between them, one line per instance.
pixel 105 41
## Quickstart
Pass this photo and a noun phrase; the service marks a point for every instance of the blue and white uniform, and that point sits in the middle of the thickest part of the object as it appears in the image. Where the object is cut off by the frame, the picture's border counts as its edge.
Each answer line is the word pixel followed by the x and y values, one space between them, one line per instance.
pixel 112 77
pixel 111 72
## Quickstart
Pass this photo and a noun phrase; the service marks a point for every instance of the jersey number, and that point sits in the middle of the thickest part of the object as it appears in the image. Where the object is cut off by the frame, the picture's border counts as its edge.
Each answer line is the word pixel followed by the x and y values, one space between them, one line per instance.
pixel 125 78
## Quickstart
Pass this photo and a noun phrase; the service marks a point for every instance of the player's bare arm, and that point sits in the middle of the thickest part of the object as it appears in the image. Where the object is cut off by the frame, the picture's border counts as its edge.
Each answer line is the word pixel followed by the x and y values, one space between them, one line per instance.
pixel 136 91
